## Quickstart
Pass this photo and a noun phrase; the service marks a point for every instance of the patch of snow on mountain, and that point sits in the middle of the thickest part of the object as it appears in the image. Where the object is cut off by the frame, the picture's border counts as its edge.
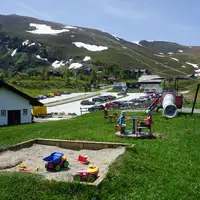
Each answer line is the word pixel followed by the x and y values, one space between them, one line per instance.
pixel 32 44
pixel 117 38
pixel 70 27
pixel 70 59
pixel 89 47
pixel 39 57
pixel 175 59
pixel 159 55
pixel 198 70
pixel 58 64
pixel 180 51
pixel 87 58
pixel 25 43
pixel 39 44
pixel 44 29
pixel 75 65
pixel 170 53
pixel 14 52
pixel 72 36
pixel 136 42
pixel 183 66
pixel 194 65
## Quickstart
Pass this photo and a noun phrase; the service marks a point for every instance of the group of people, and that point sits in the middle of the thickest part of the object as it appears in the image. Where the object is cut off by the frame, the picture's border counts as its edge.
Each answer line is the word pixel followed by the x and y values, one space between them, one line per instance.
pixel 147 123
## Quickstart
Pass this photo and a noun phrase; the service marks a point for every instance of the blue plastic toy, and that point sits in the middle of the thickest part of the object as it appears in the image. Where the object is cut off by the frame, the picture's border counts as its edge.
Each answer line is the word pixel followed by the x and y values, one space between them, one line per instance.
pixel 56 161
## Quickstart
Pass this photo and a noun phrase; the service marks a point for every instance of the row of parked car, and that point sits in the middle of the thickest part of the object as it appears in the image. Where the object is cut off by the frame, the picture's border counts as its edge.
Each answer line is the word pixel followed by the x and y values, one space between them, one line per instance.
pixel 50 95
pixel 100 99
pixel 144 100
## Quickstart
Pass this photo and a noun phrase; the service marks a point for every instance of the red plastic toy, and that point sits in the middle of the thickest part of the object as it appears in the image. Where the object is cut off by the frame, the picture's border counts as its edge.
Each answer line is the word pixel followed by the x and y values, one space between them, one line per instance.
pixel 24 170
pixel 83 159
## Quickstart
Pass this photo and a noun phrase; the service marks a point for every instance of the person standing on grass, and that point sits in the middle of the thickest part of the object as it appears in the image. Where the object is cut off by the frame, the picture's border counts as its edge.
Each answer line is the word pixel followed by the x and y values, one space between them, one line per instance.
pixel 149 120
pixel 121 122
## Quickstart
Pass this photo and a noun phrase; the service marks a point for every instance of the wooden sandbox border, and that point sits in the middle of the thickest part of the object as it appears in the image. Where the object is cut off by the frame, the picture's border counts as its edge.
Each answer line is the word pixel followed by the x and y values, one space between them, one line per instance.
pixel 71 144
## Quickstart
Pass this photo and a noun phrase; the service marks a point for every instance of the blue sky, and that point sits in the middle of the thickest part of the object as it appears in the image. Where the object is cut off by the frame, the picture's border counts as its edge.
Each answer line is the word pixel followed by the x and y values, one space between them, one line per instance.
pixel 169 20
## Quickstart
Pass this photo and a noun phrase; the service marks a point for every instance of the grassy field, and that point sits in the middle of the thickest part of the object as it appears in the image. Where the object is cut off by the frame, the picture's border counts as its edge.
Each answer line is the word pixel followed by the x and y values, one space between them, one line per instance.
pixel 157 169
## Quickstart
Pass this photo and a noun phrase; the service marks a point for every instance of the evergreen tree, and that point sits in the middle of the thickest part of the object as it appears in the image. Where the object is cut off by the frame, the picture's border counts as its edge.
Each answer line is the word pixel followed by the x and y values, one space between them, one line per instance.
pixel 46 75
pixel 67 77
pixel 43 74
pixel 121 74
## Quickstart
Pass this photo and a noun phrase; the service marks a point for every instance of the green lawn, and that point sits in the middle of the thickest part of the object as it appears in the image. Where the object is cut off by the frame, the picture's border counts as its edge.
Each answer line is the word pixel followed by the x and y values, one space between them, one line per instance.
pixel 167 169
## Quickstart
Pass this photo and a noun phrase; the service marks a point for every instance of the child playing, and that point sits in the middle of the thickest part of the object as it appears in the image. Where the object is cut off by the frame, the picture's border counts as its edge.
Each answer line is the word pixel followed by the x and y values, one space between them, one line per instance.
pixel 121 122
pixel 149 120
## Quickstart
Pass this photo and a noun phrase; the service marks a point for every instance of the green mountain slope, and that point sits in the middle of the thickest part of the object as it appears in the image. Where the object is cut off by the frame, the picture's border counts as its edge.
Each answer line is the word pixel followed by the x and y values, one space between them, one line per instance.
pixel 23 51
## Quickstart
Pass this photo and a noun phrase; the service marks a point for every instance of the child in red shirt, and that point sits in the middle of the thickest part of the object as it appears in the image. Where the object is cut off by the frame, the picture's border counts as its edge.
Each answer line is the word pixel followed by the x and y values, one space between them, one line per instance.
pixel 149 120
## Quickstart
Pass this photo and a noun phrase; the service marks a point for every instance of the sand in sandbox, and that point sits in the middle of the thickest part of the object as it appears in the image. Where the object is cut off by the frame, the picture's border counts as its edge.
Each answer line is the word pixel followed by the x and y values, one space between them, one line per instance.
pixel 34 155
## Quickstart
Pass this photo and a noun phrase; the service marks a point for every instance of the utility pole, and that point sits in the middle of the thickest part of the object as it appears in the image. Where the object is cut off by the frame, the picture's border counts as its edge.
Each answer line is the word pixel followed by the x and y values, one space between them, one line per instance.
pixel 195 98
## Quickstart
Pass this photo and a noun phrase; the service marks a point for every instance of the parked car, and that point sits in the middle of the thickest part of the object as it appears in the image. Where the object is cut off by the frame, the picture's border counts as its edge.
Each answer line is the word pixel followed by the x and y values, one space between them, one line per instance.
pixel 105 98
pixel 95 108
pixel 98 99
pixel 57 94
pixel 87 102
pixel 128 103
pixel 119 103
pixel 110 97
pixel 40 97
pixel 51 95
pixel 122 93
pixel 111 105
pixel 65 92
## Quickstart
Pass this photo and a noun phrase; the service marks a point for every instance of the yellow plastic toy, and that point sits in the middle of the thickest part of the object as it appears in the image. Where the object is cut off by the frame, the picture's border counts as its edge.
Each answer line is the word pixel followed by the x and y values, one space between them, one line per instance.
pixel 37 168
pixel 93 169
pixel 64 158
pixel 22 166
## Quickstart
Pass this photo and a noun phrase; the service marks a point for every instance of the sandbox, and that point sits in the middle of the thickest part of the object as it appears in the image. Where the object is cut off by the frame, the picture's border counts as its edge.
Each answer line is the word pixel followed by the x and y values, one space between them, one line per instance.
pixel 33 157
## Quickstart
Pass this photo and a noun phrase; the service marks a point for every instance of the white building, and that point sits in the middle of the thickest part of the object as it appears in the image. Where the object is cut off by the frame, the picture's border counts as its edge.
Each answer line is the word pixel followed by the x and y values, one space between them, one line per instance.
pixel 15 106
pixel 150 83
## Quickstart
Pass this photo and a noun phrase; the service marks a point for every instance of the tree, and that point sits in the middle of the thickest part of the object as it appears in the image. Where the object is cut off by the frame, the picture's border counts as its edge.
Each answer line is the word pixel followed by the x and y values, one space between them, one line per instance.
pixel 133 74
pixel 121 74
pixel 66 77
pixel 43 74
pixel 46 75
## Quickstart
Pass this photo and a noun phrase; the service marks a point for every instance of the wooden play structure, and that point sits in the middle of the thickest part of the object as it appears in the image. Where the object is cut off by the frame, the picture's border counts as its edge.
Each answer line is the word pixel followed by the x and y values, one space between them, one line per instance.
pixel 138 125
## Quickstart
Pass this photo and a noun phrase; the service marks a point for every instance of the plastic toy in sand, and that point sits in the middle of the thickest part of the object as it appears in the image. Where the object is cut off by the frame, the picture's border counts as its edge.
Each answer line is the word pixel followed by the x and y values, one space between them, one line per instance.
pixel 22 166
pixel 25 170
pixel 89 176
pixel 56 161
pixel 137 125
pixel 83 159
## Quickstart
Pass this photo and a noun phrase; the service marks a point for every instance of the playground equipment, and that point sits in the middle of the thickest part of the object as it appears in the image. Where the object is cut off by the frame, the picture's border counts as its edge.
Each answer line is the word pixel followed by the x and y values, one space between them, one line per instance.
pixel 89 176
pixel 137 126
pixel 56 161
pixel 170 100
pixel 169 107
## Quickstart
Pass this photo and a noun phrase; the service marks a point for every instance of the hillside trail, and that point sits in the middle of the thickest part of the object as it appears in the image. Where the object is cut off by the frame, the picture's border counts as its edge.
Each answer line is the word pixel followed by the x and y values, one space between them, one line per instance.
pixel 142 56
